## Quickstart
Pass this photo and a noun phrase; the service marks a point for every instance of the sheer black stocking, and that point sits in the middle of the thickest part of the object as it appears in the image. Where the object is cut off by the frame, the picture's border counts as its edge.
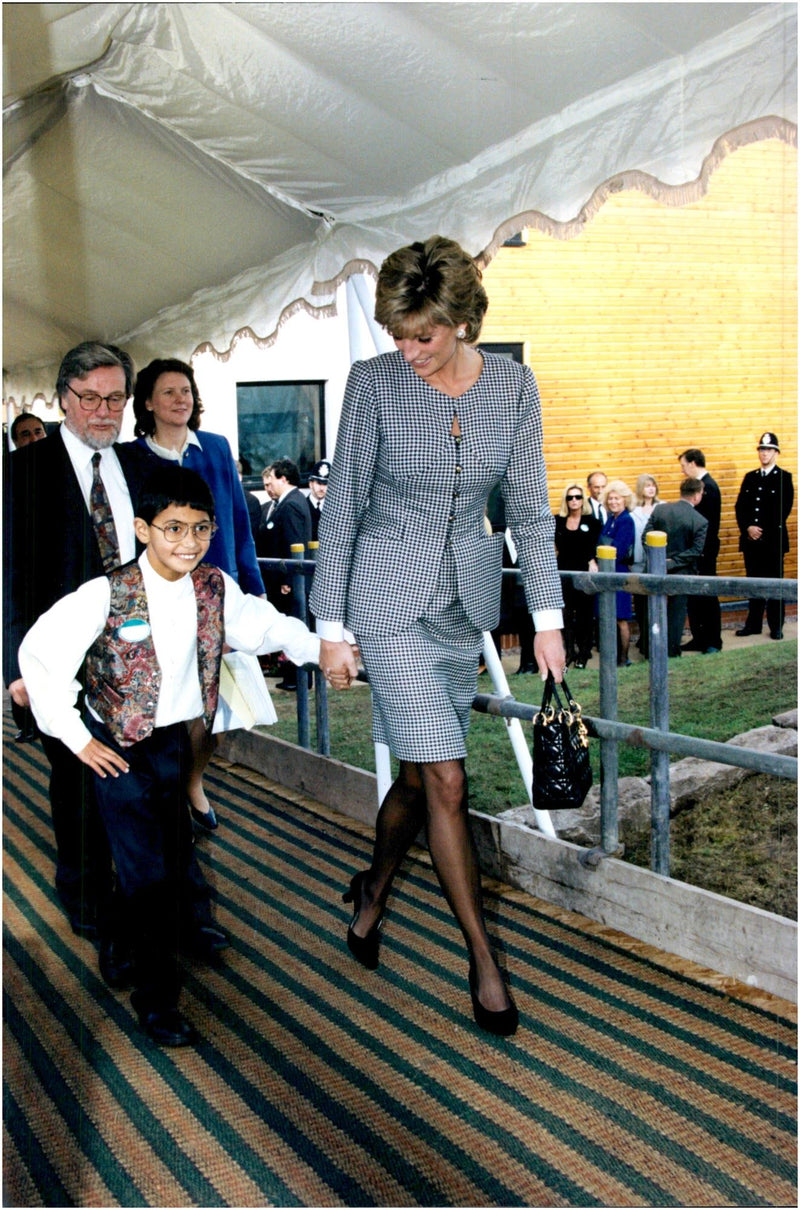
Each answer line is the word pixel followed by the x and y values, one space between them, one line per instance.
pixel 436 792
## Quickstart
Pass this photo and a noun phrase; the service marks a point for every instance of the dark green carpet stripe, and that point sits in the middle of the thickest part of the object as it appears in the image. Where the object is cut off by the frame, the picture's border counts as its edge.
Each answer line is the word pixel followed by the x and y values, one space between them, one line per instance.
pixel 92 1143
pixel 678 1104
pixel 269 1031
pixel 731 1137
pixel 287 813
pixel 51 1189
pixel 560 1129
pixel 647 1047
pixel 352 1193
pixel 162 1142
pixel 381 1151
pixel 725 1090
pixel 480 1074
pixel 235 1144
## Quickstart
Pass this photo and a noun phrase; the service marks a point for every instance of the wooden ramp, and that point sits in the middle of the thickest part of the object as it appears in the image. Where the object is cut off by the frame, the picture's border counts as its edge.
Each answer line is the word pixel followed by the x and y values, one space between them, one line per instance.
pixel 317 1083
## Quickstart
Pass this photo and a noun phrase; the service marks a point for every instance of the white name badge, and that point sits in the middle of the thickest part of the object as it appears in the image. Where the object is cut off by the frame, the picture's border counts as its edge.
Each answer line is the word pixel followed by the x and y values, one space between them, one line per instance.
pixel 135 630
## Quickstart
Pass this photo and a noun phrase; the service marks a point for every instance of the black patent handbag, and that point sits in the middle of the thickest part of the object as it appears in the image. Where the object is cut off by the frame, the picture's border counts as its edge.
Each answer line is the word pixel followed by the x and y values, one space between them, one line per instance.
pixel 562 773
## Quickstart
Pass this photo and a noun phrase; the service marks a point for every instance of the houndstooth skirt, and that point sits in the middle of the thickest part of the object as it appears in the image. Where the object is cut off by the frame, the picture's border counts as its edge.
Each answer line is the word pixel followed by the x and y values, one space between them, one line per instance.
pixel 423 680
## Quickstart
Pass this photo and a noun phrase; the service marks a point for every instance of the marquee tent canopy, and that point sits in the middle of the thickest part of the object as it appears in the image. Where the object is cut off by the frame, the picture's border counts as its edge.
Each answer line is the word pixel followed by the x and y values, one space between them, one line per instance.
pixel 178 173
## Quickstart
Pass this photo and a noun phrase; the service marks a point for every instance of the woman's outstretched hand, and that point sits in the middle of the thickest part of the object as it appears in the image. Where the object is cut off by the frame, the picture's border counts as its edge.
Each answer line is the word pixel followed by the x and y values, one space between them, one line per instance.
pixel 337 664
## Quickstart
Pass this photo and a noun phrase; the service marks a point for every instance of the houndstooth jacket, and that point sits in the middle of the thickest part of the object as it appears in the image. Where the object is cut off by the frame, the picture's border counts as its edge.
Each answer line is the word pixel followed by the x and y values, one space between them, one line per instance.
pixel 403 490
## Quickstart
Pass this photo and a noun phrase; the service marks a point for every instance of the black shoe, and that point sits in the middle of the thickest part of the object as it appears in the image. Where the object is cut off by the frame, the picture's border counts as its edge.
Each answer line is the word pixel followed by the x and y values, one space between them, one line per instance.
pixel 504 1023
pixel 712 651
pixel 26 735
pixel 116 964
pixel 165 1026
pixel 206 819
pixel 579 664
pixel 207 942
pixel 363 949
pixel 692 646
pixel 285 685
pixel 527 669
pixel 777 635
pixel 745 631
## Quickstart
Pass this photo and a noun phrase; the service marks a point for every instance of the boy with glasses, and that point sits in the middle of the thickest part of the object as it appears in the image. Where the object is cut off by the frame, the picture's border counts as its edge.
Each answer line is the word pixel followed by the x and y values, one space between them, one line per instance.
pixel 151 633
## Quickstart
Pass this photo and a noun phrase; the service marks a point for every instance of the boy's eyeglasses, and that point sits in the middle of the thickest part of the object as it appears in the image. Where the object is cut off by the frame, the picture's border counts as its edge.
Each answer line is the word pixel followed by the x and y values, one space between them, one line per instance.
pixel 90 401
pixel 176 531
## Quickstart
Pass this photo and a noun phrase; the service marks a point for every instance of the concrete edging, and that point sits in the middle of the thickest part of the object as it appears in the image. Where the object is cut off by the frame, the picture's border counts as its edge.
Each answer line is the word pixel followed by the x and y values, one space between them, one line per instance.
pixel 738 941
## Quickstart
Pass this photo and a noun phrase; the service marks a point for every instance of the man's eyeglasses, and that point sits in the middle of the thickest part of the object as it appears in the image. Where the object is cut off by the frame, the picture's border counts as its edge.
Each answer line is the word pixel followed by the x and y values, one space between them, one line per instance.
pixel 574 497
pixel 90 401
pixel 176 531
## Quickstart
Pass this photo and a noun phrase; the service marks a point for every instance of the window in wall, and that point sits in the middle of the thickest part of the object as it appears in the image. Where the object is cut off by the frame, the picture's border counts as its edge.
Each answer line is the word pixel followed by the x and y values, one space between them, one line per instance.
pixel 512 349
pixel 279 420
pixel 495 509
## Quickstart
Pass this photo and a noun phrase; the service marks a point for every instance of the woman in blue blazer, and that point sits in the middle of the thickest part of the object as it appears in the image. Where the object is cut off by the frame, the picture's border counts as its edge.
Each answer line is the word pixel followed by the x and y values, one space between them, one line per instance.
pixel 167 408
pixel 619 531
pixel 406 564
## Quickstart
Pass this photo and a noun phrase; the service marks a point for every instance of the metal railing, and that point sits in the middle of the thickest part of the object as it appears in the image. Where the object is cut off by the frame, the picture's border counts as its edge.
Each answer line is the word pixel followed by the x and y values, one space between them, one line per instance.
pixel 662 742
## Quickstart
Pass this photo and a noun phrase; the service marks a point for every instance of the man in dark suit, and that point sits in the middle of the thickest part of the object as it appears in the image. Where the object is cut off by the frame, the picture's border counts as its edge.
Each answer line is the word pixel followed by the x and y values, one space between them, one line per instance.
pixel 762 508
pixel 285 522
pixel 51 548
pixel 686 532
pixel 596 484
pixel 705 615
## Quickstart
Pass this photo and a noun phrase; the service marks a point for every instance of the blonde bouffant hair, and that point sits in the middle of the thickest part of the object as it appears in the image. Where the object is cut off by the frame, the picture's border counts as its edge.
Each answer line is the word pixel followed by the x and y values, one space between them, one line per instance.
pixel 621 488
pixel 428 284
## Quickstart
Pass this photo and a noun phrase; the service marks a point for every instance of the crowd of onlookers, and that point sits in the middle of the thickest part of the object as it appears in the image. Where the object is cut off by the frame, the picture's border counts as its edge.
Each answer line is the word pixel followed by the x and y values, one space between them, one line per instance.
pixel 609 513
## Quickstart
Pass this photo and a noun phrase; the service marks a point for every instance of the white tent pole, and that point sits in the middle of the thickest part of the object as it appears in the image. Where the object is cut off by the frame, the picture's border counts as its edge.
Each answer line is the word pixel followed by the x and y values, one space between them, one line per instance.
pixel 382 340
pixel 383 769
pixel 515 732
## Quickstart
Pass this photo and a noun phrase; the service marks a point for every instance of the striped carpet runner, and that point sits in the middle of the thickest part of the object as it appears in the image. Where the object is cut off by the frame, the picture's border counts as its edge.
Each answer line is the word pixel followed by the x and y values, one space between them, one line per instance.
pixel 317 1083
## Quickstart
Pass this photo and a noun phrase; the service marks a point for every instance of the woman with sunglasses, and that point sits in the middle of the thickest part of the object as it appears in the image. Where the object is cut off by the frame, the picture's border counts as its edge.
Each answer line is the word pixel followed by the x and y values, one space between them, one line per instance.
pixel 577 535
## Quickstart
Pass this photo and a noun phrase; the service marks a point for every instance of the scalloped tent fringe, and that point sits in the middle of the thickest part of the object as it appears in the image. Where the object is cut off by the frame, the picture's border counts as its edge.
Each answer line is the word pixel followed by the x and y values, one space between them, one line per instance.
pixel 667 195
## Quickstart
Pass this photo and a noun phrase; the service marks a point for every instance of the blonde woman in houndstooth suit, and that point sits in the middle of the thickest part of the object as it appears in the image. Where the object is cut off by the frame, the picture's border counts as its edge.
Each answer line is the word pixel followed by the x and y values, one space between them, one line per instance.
pixel 406 564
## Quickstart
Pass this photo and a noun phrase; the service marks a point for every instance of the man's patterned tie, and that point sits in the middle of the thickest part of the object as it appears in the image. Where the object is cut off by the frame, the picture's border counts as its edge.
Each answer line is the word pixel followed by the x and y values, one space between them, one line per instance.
pixel 103 518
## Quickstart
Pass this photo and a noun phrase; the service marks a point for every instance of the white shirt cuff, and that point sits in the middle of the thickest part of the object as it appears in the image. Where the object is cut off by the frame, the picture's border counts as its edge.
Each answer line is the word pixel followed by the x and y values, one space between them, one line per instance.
pixel 331 632
pixel 547 619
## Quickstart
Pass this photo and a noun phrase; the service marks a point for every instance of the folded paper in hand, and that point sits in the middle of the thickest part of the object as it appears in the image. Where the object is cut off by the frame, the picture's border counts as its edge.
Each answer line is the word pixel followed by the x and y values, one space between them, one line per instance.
pixel 244 700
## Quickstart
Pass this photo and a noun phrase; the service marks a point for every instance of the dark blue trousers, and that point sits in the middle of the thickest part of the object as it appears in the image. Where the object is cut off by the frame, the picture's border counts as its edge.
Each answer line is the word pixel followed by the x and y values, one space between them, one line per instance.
pixel 149 829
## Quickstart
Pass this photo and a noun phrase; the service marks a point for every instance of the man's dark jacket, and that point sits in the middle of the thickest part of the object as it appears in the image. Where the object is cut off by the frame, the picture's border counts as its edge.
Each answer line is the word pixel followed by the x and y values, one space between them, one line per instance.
pixel 49 546
pixel 766 501
pixel 288 525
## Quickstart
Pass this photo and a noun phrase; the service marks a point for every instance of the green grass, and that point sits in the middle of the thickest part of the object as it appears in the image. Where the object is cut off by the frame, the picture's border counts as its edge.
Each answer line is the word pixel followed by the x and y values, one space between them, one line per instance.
pixel 713 697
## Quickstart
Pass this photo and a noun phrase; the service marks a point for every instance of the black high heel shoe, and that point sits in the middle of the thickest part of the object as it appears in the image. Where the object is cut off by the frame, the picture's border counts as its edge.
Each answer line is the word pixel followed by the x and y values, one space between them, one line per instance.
pixel 504 1023
pixel 364 949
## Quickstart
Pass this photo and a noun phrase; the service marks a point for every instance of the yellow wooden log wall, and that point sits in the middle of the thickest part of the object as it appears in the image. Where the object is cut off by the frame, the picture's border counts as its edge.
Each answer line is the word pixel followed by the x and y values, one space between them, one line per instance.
pixel 660 327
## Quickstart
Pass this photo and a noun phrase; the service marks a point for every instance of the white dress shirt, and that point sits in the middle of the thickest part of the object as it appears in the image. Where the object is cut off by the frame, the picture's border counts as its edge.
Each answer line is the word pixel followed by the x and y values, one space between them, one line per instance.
pixel 599 510
pixel 54 648
pixel 119 497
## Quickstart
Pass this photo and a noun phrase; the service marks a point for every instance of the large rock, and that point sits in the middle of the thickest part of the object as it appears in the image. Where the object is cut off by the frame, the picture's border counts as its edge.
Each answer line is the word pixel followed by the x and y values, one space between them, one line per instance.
pixel 691 780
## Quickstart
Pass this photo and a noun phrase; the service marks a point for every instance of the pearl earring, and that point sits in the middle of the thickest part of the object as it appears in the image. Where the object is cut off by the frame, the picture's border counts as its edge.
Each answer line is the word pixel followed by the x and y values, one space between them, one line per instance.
pixel 460 333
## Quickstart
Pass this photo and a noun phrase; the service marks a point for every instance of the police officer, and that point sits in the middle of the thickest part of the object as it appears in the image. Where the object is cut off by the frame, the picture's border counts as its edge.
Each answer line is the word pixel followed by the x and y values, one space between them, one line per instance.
pixel 762 507
pixel 318 488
